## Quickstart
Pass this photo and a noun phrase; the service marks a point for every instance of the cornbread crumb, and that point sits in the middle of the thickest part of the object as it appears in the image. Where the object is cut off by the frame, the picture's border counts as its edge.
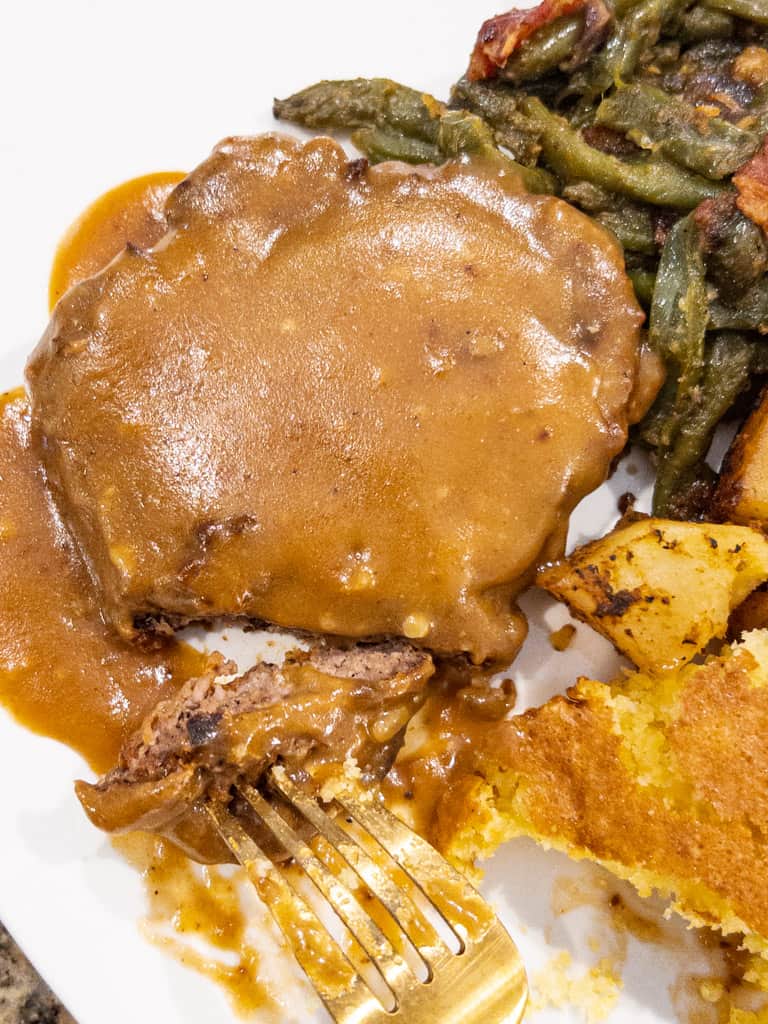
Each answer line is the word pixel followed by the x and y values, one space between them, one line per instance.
pixel 595 991
pixel 748 1016
pixel 711 990
pixel 756 972
pixel 341 780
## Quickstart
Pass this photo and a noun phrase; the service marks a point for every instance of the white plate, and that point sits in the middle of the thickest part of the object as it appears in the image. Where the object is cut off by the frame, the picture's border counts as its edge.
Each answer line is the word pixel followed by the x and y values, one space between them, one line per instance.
pixel 94 93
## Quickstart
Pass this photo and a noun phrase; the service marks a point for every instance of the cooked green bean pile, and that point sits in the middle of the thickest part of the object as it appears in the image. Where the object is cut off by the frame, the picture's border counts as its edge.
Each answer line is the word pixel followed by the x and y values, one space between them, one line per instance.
pixel 651 116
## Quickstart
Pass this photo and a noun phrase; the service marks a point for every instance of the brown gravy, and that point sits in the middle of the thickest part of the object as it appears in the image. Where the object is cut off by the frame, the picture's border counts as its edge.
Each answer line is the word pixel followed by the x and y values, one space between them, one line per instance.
pixel 451 725
pixel 63 672
pixel 131 212
pixel 392 339
pixel 202 902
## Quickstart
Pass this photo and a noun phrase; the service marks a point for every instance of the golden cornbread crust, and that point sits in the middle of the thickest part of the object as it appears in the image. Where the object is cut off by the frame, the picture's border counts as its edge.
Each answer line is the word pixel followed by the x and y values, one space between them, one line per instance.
pixel 664 781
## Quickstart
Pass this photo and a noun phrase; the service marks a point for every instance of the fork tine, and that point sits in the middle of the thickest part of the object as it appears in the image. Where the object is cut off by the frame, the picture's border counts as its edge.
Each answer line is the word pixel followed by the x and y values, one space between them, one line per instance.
pixel 401 908
pixel 390 965
pixel 485 986
pixel 328 968
pixel 458 902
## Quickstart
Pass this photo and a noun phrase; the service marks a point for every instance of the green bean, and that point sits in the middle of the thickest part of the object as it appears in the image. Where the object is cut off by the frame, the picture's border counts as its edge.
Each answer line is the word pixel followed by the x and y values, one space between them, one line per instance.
pixel 729 362
pixel 497 105
pixel 363 103
pixel 679 315
pixel 678 318
pixel 621 8
pixel 633 226
pixel 702 23
pixel 548 47
pixel 749 10
pixel 654 120
pixel 592 197
pixel 657 427
pixel 378 145
pixel 637 30
pixel 459 134
pixel 655 180
pixel 392 122
pixel 737 257
pixel 643 281
pixel 749 314
pixel 463 133
pixel 758 112
pixel 635 33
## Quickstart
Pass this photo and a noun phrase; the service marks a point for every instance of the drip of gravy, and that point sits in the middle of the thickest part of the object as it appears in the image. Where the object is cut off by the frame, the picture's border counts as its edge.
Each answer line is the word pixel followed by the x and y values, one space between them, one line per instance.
pixel 63 672
pixel 451 724
pixel 131 213
pixel 203 903
pixel 598 890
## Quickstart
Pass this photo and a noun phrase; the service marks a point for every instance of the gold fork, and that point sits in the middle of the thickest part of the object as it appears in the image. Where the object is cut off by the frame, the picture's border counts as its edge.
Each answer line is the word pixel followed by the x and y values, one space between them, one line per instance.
pixel 385 929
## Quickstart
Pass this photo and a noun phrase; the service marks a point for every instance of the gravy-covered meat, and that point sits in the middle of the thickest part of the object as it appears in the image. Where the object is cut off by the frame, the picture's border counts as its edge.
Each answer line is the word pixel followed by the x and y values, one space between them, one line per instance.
pixel 332 705
pixel 357 401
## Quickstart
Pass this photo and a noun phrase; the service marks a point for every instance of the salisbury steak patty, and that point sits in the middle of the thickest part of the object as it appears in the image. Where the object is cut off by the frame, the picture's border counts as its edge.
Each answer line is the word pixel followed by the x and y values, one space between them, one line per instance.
pixel 331 705
pixel 353 401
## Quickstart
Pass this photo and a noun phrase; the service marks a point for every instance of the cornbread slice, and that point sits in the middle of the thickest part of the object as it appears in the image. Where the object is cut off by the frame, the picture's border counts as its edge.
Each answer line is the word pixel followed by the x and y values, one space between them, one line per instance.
pixel 658 589
pixel 662 780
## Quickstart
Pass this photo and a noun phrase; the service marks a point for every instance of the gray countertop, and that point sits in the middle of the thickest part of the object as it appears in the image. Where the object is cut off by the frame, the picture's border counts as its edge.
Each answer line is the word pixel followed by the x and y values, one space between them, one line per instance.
pixel 24 996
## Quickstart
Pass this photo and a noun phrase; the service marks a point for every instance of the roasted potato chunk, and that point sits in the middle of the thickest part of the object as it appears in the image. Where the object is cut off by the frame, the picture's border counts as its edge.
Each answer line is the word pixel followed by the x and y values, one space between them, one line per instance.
pixel 659 589
pixel 742 493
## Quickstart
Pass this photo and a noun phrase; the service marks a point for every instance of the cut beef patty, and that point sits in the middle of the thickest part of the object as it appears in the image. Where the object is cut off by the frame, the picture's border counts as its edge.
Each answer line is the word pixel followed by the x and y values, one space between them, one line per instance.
pixel 354 401
pixel 332 705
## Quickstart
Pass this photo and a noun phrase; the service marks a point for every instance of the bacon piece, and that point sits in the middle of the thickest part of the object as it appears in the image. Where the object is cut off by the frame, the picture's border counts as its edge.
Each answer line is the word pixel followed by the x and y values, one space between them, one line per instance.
pixel 501 35
pixel 751 181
